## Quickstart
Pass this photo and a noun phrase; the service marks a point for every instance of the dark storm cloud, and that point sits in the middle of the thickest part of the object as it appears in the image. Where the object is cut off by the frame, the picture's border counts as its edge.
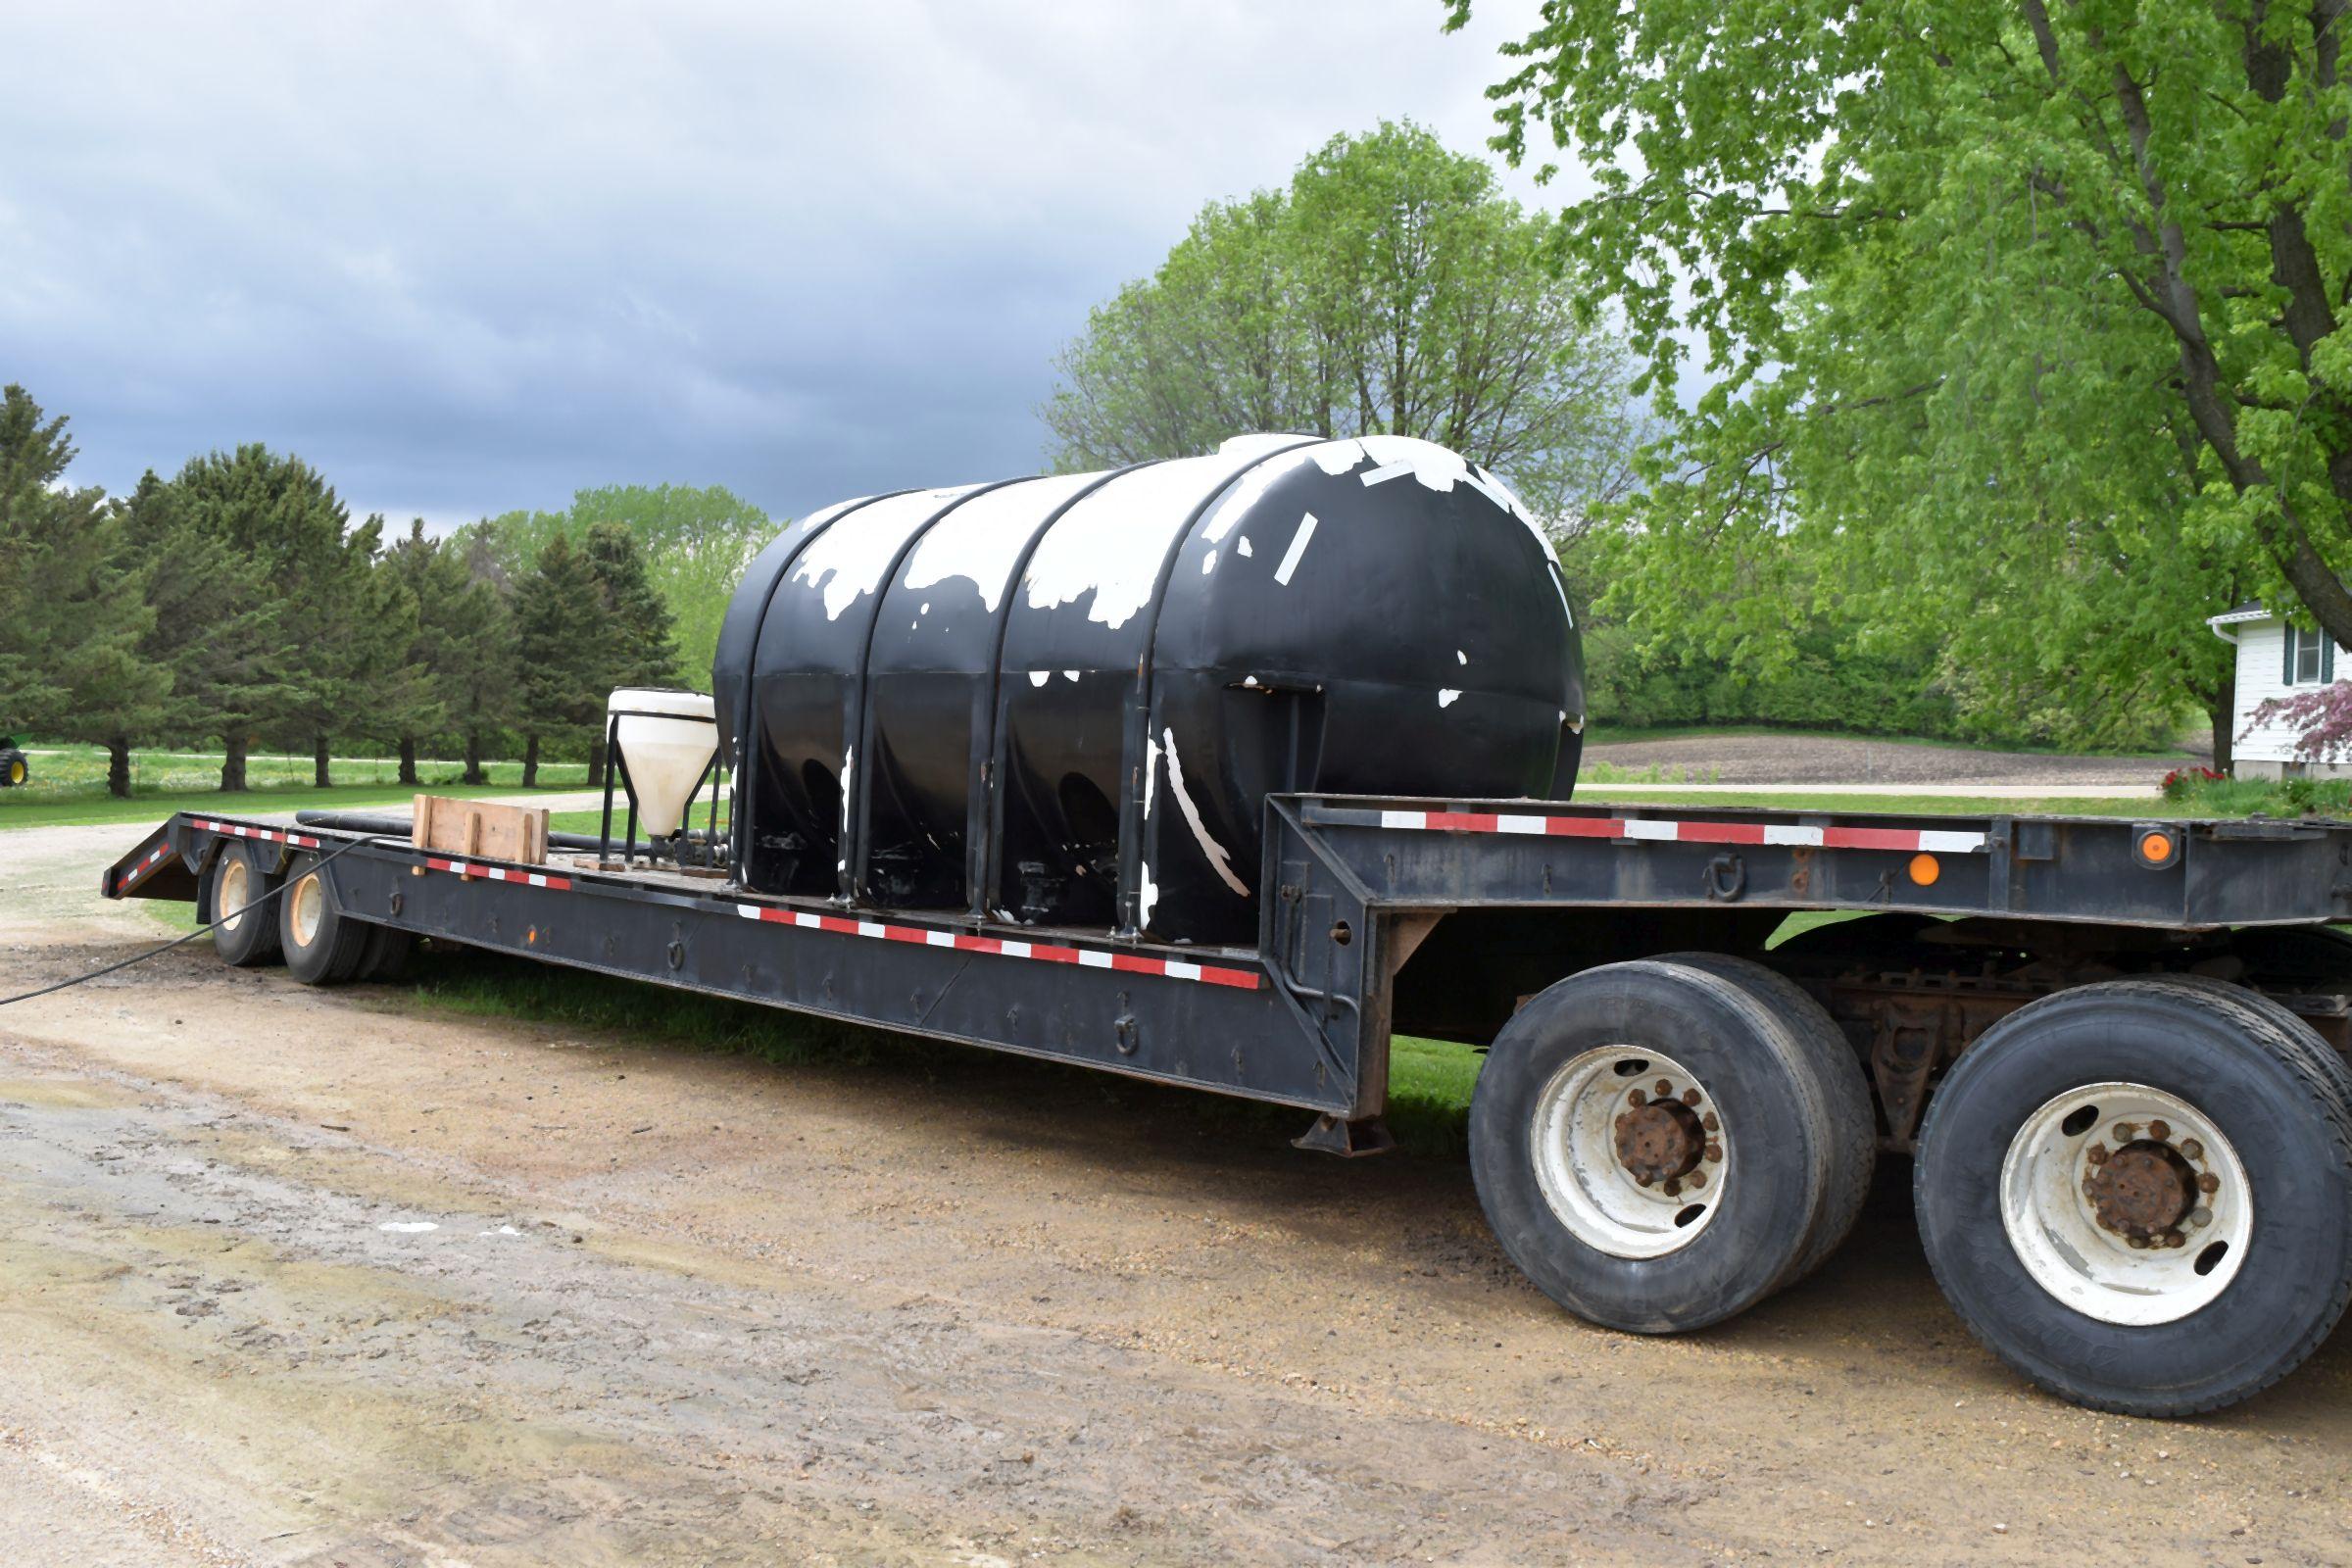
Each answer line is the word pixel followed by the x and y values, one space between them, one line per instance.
pixel 468 258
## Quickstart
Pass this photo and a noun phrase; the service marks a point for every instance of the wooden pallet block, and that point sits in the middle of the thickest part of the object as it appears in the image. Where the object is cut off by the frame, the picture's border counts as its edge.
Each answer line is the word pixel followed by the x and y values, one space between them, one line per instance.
pixel 480 829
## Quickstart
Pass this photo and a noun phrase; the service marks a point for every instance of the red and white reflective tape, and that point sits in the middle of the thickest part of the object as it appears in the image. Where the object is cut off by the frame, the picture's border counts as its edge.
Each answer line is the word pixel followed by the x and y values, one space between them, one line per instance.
pixel 1934 841
pixel 238 830
pixel 500 873
pixel 1005 946
pixel 138 872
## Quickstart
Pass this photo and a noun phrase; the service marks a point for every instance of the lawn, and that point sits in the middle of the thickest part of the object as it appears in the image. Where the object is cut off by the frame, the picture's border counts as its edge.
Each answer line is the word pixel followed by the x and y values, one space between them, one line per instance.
pixel 69 785
pixel 1621 735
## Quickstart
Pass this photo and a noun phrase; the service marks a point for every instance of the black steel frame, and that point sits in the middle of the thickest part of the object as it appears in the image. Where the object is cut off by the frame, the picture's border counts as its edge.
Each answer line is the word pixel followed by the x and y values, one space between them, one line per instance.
pixel 1347 894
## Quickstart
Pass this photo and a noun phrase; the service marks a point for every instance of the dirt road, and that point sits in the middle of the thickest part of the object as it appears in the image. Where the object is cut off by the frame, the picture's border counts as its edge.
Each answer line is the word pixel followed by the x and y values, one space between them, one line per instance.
pixel 294 1276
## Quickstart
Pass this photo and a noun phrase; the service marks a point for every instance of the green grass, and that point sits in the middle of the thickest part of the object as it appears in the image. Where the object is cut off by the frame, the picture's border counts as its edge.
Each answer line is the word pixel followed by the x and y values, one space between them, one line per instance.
pixel 2134 807
pixel 1628 735
pixel 69 785
pixel 591 821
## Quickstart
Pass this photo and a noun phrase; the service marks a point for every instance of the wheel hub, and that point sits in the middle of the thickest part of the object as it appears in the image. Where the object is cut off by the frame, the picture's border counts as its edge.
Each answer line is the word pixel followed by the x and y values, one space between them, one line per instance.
pixel 1659 1141
pixel 2141 1190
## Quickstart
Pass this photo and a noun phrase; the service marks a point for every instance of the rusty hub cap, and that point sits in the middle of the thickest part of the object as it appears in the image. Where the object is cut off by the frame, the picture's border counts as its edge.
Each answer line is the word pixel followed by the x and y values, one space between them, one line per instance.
pixel 1660 1140
pixel 2141 1190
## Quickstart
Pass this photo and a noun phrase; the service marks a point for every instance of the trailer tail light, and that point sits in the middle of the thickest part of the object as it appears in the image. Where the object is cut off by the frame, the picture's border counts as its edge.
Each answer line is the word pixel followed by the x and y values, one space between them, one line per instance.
pixel 1924 869
pixel 2155 847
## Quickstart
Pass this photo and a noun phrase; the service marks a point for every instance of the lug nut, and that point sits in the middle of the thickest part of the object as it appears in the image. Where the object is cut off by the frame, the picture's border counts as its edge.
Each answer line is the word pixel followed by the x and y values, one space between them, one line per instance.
pixel 1637 1097
pixel 2123 1132
pixel 2200 1217
pixel 1715 1153
pixel 2174 1238
pixel 1697 1178
pixel 1674 1188
pixel 2209 1183
pixel 2139 1243
pixel 2096 1155
pixel 1689 1096
pixel 2193 1150
pixel 1665 1086
pixel 1644 1181
pixel 2160 1131
pixel 1623 1118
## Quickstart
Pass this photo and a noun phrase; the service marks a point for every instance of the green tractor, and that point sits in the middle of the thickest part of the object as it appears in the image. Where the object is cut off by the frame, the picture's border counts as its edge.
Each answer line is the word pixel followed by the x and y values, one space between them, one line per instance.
pixel 13 767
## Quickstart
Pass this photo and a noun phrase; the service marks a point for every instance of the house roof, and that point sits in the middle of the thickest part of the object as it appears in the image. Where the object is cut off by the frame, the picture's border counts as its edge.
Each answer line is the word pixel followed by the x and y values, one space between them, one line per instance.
pixel 2242 613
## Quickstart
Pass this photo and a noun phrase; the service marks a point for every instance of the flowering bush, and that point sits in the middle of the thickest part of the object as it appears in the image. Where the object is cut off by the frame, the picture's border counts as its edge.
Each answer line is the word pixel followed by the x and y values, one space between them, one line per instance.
pixel 2322 719
pixel 2179 782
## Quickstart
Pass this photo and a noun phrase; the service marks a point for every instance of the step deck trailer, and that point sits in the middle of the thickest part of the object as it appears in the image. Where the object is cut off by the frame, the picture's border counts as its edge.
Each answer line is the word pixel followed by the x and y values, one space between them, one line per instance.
pixel 2115 1047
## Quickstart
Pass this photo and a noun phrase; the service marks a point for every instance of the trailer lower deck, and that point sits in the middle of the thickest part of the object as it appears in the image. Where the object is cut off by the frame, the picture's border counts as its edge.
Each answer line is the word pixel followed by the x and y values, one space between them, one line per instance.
pixel 1711 1142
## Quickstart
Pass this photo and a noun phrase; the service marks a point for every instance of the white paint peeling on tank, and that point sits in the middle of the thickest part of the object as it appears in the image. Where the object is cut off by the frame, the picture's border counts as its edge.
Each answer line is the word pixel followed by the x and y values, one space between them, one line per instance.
pixel 1248 681
pixel 823 515
pixel 1289 559
pixel 1243 546
pixel 847 561
pixel 1209 564
pixel 1247 491
pixel 1460 658
pixel 981 541
pixel 1146 894
pixel 1069 674
pixel 1218 860
pixel 1038 677
pixel 1446 696
pixel 925 610
pixel 1110 542
pixel 1151 774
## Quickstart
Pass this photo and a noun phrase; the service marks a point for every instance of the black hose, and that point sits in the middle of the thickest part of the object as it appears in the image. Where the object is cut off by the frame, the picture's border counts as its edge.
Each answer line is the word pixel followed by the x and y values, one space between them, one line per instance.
pixel 176 942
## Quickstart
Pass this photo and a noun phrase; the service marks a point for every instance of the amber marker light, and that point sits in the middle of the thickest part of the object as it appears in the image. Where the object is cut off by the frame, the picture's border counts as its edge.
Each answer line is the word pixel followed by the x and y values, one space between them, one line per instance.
pixel 1925 870
pixel 2156 848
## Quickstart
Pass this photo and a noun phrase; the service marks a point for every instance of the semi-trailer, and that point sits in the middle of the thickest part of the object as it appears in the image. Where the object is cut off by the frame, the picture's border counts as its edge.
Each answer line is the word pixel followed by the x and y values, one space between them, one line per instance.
pixel 1221 771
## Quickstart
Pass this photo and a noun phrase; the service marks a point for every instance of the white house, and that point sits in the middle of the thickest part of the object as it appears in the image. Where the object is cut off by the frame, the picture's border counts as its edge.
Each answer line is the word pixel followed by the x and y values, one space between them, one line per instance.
pixel 2276 658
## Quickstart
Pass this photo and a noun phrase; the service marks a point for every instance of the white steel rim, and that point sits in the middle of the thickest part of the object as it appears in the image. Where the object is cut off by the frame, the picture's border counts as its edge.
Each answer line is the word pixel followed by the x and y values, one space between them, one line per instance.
pixel 1590 1187
pixel 307 902
pixel 233 894
pixel 2050 1205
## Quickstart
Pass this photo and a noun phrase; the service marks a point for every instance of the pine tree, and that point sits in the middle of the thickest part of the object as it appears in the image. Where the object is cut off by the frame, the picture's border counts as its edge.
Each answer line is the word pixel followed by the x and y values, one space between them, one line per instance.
pixel 643 650
pixel 433 577
pixel 564 632
pixel 73 589
pixel 295 537
pixel 216 625
pixel 480 687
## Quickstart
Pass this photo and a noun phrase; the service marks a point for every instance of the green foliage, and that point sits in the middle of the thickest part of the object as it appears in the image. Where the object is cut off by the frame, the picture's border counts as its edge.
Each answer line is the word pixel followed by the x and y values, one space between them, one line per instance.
pixel 563 636
pixel 72 613
pixel 2015 321
pixel 1389 289
pixel 642 652
pixel 695 543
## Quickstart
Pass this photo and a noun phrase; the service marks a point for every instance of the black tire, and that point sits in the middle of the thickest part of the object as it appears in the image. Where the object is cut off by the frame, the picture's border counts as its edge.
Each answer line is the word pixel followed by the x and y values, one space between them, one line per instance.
pixel 2318 956
pixel 323 947
pixel 386 958
pixel 1816 1040
pixel 1776 1132
pixel 247 936
pixel 2274 1089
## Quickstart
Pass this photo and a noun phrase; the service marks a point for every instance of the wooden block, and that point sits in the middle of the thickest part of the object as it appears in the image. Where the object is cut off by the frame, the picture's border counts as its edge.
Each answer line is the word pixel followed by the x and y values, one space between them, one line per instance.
pixel 480 830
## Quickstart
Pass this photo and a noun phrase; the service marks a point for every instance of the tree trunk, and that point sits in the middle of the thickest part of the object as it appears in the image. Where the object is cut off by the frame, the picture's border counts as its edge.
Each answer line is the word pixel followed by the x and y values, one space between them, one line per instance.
pixel 595 762
pixel 320 775
pixel 233 763
pixel 117 767
pixel 531 762
pixel 474 773
pixel 407 758
pixel 2221 711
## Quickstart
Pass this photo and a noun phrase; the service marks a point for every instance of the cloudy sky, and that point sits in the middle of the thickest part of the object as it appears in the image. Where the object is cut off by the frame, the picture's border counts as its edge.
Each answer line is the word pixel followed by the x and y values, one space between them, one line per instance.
pixel 472 256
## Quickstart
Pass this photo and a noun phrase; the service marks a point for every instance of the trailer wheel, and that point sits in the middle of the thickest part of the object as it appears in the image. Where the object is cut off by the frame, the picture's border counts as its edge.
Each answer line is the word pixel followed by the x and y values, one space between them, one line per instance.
pixel 2138 1193
pixel 1852 1149
pixel 1649 1146
pixel 245 936
pixel 2319 956
pixel 386 955
pixel 322 945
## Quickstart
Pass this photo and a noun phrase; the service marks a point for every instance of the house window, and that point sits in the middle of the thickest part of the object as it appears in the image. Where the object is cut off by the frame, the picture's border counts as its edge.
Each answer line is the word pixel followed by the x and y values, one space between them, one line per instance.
pixel 2310 657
